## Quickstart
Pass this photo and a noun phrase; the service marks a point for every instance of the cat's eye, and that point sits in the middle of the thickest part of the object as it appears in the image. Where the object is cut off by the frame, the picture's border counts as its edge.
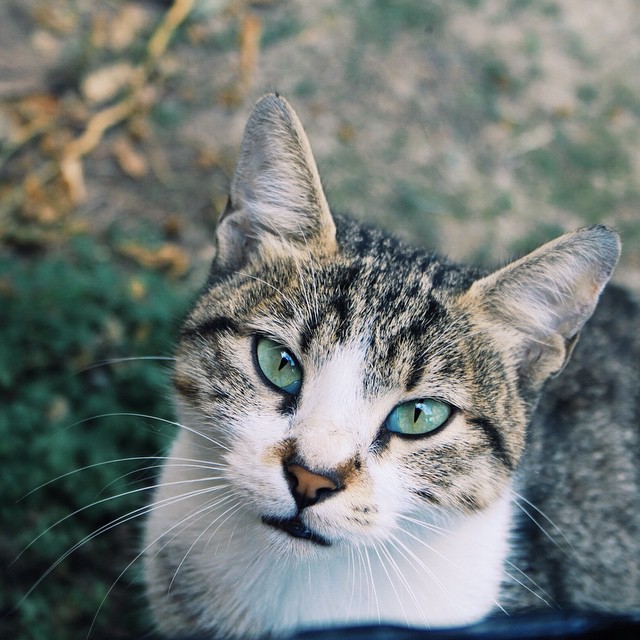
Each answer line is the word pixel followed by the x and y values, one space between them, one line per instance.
pixel 278 365
pixel 418 417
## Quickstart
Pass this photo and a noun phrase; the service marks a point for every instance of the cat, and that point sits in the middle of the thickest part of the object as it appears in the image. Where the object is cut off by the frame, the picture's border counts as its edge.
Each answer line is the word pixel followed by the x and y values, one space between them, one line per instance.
pixel 362 437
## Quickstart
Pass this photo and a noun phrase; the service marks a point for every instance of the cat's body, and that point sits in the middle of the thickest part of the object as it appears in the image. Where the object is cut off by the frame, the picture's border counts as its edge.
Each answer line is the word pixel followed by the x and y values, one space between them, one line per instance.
pixel 373 471
pixel 582 471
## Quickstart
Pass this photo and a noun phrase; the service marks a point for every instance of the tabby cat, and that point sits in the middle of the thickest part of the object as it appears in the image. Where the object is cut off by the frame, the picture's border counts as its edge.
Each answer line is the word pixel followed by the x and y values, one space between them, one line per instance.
pixel 363 437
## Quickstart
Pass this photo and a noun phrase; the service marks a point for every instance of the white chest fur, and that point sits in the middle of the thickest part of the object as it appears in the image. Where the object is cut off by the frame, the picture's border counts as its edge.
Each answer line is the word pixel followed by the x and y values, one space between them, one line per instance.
pixel 423 580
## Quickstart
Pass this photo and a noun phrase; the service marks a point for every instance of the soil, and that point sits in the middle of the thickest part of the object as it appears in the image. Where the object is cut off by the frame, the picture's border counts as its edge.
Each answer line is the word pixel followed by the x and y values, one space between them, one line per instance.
pixel 444 121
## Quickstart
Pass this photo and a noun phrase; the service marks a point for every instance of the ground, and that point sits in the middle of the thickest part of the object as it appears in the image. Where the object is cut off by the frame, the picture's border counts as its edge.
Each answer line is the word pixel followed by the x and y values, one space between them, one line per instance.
pixel 477 127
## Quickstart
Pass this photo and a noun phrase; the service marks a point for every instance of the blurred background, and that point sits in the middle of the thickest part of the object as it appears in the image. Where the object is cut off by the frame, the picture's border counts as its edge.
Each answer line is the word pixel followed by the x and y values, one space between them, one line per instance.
pixel 480 128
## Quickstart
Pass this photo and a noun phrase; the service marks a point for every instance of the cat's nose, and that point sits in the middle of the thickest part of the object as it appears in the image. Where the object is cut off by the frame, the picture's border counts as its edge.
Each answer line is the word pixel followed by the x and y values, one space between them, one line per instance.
pixel 309 488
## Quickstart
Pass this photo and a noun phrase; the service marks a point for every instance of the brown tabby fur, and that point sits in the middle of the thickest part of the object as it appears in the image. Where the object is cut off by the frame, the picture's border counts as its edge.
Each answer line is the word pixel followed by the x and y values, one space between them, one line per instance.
pixel 519 500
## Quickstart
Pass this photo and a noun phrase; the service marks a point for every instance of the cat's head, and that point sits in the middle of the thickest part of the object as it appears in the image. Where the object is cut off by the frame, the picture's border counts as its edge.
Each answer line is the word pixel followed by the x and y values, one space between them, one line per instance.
pixel 353 382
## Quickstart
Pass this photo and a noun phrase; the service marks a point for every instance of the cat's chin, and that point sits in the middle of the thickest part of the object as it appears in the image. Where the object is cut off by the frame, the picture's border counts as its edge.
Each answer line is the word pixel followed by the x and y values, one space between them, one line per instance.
pixel 296 529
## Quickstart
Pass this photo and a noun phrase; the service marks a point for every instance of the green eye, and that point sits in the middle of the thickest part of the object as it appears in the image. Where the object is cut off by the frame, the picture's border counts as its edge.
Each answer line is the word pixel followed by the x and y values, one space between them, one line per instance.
pixel 279 366
pixel 418 417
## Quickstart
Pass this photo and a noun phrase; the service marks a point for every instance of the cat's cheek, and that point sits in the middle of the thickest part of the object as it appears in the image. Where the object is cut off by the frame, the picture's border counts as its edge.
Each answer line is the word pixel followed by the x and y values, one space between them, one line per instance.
pixel 256 473
pixel 263 489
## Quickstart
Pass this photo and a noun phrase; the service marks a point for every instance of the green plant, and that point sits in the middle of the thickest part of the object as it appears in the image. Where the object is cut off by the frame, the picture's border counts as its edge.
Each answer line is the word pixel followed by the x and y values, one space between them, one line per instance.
pixel 68 399
pixel 588 175
pixel 379 21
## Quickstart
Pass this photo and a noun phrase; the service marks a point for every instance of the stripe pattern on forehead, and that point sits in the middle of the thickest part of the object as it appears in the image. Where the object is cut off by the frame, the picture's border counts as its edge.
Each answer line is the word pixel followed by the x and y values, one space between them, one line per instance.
pixel 379 287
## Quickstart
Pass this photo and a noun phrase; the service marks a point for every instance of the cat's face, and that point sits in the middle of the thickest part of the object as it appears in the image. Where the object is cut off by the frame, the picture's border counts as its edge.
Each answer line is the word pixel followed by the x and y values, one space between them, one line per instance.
pixel 373 345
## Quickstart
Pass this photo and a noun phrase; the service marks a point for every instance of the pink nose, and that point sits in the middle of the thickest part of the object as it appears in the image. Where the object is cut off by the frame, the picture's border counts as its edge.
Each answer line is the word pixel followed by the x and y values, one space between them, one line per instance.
pixel 307 487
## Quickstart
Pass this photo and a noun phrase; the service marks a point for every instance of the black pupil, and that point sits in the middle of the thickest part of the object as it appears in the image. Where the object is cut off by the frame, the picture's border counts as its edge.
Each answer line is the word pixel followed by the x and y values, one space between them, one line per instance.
pixel 416 413
pixel 283 362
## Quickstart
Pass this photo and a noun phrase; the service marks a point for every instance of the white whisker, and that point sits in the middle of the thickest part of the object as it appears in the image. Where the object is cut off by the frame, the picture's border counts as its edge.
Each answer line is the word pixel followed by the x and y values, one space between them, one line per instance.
pixel 548 601
pixel 234 508
pixel 371 582
pixel 183 523
pixel 200 464
pixel 111 361
pixel 131 515
pixel 390 579
pixel 428 546
pixel 408 554
pixel 520 498
pixel 268 284
pixel 403 579
pixel 430 527
pixel 180 425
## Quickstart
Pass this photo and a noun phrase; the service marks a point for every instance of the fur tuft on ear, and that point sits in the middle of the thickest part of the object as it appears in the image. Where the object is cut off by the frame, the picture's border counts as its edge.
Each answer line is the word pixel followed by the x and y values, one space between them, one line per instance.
pixel 544 299
pixel 276 202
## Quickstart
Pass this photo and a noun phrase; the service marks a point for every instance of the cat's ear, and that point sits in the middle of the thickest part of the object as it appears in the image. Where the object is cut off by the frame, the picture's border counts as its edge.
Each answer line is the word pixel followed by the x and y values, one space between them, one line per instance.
pixel 276 203
pixel 540 302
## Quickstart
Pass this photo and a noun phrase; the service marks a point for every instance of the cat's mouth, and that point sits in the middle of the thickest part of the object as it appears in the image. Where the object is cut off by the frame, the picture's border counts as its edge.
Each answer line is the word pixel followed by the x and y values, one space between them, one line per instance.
pixel 296 528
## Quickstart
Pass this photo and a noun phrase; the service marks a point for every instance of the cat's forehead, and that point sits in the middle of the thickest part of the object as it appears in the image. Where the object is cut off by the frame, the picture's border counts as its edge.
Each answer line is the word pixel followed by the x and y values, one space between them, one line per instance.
pixel 396 269
pixel 373 286
pixel 378 286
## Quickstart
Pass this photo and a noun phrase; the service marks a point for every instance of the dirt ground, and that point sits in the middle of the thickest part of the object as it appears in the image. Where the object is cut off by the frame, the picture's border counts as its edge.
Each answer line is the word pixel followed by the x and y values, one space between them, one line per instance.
pixel 478 127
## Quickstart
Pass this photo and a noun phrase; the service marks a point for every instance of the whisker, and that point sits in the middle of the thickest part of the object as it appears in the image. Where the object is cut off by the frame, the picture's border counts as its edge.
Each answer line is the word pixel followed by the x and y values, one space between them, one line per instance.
pixel 390 579
pixel 548 602
pixel 428 546
pixel 131 515
pixel 126 414
pixel 521 498
pixel 403 580
pixel 104 363
pixel 103 501
pixel 371 582
pixel 201 512
pixel 351 576
pixel 411 556
pixel 205 464
pixel 432 528
pixel 268 284
pixel 408 554
pixel 167 462
pixel 235 507
pixel 229 511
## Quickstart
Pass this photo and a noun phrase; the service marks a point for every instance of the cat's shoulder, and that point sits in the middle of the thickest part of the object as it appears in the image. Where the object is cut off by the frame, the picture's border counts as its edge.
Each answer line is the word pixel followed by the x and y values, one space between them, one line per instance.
pixel 607 358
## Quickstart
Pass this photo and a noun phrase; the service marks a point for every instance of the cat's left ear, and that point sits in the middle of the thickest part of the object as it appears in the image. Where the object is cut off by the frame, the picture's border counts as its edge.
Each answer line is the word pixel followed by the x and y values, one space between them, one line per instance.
pixel 276 203
pixel 539 303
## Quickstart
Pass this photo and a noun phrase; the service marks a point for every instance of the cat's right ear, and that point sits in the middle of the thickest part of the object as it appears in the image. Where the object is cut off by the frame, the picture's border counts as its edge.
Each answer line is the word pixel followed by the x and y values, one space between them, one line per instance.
pixel 276 204
pixel 538 304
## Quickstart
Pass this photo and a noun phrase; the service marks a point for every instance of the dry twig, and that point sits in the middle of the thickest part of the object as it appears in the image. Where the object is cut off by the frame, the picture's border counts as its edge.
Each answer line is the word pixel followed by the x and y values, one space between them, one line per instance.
pixel 69 164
